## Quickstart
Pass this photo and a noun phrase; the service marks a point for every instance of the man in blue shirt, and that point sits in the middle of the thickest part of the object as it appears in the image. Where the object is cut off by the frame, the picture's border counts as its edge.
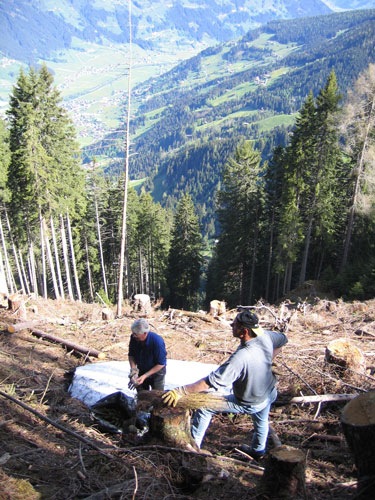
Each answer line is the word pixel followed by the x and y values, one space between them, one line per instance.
pixel 249 373
pixel 147 358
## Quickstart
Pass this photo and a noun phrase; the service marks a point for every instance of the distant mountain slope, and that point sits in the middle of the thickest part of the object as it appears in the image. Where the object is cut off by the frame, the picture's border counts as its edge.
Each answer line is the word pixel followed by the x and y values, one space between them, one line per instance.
pixel 192 118
pixel 351 4
pixel 34 30
pixel 84 43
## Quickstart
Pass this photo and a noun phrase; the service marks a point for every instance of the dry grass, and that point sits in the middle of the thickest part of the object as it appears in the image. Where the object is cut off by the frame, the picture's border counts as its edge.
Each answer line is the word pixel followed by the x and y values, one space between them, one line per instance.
pixel 59 467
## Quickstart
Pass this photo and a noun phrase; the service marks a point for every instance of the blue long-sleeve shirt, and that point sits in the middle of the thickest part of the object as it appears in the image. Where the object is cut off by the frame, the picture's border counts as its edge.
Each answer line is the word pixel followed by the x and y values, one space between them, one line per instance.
pixel 149 353
pixel 249 369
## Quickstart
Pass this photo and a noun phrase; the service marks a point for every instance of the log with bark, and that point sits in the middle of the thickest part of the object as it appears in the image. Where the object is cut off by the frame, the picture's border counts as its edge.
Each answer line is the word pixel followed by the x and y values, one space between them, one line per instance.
pixel 147 399
pixel 190 314
pixel 284 474
pixel 88 351
pixel 358 423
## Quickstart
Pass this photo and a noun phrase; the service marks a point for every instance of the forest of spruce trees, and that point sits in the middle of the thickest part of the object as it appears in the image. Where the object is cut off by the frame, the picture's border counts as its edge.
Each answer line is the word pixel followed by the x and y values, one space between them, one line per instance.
pixel 307 214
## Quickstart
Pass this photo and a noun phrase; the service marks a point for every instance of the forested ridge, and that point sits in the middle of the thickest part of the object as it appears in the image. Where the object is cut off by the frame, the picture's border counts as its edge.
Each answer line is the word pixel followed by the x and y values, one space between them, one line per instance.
pixel 306 214
pixel 211 102
pixel 274 207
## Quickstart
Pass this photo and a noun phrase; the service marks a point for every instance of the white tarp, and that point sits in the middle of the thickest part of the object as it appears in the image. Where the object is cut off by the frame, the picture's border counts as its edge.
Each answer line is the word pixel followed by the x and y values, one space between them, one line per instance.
pixel 95 381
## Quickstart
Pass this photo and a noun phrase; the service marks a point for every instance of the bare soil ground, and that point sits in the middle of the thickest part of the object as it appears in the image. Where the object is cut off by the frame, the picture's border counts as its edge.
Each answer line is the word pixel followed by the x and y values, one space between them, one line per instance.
pixel 42 460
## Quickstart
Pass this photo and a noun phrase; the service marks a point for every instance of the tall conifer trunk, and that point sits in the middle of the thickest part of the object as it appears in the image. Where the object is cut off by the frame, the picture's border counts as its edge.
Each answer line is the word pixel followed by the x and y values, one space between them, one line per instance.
pixel 43 256
pixel 57 260
pixel 66 258
pixel 125 202
pixel 100 247
pixel 9 274
pixel 50 259
pixel 3 281
pixel 72 253
pixel 20 277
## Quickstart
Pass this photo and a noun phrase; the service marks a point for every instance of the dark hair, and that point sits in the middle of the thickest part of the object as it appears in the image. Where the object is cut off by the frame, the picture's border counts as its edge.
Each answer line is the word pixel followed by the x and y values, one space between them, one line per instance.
pixel 248 319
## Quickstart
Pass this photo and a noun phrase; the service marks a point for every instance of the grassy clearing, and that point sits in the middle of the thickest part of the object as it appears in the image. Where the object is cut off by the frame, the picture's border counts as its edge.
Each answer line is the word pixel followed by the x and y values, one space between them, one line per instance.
pixel 233 116
pixel 136 184
pixel 234 93
pixel 276 121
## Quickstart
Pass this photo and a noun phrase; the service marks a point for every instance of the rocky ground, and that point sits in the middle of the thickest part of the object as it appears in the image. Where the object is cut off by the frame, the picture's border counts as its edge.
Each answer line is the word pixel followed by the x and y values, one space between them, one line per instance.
pixel 52 446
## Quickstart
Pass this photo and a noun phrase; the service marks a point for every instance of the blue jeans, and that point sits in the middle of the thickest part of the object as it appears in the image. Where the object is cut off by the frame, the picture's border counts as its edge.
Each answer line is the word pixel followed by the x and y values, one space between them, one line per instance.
pixel 259 414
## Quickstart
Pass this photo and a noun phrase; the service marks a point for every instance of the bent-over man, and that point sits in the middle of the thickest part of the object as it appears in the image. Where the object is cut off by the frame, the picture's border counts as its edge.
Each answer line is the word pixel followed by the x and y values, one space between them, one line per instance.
pixel 248 371
pixel 147 358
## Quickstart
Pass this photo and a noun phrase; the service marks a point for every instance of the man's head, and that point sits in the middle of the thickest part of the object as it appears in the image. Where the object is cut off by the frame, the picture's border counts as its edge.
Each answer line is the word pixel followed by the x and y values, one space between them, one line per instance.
pixel 246 323
pixel 140 329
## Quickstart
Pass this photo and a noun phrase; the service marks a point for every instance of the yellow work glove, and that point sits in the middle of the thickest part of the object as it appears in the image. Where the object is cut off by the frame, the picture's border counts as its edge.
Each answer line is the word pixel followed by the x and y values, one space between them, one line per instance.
pixel 275 369
pixel 172 397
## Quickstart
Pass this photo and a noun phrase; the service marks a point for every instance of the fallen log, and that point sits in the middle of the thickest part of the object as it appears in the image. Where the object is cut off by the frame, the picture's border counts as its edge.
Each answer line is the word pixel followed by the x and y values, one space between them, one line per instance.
pixel 70 345
pixel 358 424
pixel 319 398
pixel 147 399
pixel 190 314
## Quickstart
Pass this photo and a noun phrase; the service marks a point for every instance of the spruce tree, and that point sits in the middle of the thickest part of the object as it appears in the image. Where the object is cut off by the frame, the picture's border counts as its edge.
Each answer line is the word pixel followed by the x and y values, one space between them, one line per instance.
pixel 4 162
pixel 185 257
pixel 320 179
pixel 45 176
pixel 240 203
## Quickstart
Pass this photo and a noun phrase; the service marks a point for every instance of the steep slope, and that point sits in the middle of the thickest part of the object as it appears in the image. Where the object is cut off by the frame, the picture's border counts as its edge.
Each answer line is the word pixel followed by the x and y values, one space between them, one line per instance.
pixel 85 44
pixel 154 22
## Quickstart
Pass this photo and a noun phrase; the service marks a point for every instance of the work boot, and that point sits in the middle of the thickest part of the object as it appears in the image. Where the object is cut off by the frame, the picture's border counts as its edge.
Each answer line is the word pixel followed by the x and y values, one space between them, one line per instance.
pixel 256 455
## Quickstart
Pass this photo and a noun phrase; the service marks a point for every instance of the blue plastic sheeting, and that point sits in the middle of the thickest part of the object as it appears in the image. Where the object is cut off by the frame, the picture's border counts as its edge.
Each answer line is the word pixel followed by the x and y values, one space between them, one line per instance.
pixel 95 381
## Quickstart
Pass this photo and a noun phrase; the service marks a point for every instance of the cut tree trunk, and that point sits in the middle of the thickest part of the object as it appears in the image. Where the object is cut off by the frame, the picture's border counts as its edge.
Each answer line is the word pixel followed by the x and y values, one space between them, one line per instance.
pixel 16 303
pixel 284 474
pixel 358 423
pixel 172 426
pixel 344 355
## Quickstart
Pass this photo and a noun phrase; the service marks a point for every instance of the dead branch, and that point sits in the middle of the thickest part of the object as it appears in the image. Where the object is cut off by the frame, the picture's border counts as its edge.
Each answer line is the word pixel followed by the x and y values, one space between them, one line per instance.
pixel 325 437
pixel 207 455
pixel 298 376
pixel 116 489
pixel 325 398
pixel 55 424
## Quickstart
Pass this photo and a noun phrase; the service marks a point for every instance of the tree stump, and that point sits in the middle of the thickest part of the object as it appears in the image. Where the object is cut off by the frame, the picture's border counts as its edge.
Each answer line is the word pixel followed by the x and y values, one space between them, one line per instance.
pixel 344 356
pixel 358 423
pixel 284 474
pixel 172 425
pixel 16 304
pixel 107 314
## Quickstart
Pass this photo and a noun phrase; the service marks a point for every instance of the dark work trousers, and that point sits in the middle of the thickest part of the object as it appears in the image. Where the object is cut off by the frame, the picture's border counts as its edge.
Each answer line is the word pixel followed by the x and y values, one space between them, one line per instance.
pixel 156 381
